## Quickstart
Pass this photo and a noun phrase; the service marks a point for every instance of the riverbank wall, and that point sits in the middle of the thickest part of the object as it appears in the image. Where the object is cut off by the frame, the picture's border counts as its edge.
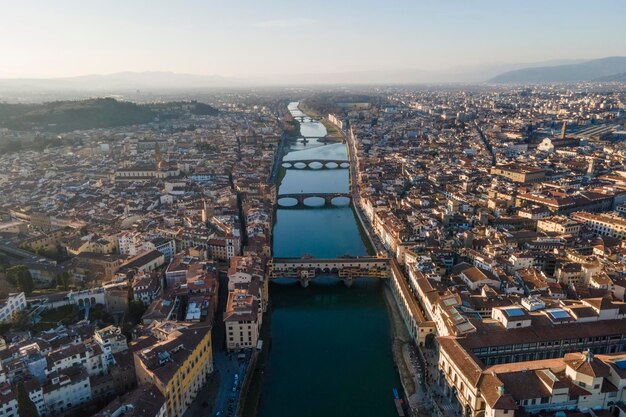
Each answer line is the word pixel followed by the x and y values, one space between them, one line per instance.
pixel 400 337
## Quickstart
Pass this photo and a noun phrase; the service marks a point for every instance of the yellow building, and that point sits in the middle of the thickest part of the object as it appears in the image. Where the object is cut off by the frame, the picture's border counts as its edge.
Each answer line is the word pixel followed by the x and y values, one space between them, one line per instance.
pixel 177 358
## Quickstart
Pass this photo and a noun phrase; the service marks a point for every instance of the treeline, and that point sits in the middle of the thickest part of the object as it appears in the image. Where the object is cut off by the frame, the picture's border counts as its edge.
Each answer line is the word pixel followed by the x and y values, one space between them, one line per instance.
pixel 65 116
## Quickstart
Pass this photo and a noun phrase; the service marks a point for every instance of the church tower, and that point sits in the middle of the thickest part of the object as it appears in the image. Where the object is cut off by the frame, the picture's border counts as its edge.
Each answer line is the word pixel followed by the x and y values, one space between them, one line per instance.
pixel 158 157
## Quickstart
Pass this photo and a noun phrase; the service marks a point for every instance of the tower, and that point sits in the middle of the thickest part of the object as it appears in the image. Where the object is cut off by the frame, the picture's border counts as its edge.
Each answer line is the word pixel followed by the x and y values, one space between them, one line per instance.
pixel 591 167
pixel 563 129
pixel 158 157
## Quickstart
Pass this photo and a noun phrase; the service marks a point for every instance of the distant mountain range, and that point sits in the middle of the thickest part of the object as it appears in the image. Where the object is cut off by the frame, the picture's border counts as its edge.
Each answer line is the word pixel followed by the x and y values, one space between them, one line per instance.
pixel 604 69
pixel 613 78
pixel 118 81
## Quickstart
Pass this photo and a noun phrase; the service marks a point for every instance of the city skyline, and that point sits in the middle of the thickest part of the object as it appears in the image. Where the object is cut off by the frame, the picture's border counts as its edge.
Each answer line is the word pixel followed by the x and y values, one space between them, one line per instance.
pixel 254 42
pixel 409 208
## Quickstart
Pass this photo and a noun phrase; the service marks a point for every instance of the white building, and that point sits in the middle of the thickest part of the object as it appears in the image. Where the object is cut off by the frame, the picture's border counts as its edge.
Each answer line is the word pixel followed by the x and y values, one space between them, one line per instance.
pixel 65 390
pixel 14 302
pixel 166 246
pixel 111 341
pixel 603 224
pixel 8 401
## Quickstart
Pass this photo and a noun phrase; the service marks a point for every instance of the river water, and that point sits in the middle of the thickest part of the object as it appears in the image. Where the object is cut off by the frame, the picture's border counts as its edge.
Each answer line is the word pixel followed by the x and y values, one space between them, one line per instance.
pixel 330 345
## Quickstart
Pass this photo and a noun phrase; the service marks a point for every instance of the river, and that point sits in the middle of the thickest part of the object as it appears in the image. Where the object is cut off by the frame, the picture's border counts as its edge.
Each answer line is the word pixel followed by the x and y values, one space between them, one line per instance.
pixel 330 345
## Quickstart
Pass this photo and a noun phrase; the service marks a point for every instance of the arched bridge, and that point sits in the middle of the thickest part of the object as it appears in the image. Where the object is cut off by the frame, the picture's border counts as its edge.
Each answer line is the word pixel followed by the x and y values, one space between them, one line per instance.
pixel 347 268
pixel 326 163
pixel 301 197
pixel 301 118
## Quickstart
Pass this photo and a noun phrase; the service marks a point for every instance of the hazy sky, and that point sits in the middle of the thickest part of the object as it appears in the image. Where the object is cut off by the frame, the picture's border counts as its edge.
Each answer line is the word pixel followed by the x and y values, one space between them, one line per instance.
pixel 235 38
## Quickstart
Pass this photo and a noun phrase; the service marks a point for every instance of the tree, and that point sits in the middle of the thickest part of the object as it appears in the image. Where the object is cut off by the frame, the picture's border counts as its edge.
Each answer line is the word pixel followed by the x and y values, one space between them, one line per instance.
pixel 25 282
pixel 25 405
pixel 63 280
pixel 15 272
pixel 20 319
pixel 135 311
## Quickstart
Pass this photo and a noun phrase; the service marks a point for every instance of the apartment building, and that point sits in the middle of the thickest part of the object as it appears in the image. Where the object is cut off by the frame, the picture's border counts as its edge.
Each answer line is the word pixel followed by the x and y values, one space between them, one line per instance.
pixel 8 401
pixel 111 341
pixel 576 381
pixel 177 358
pixel 11 304
pixel 144 401
pixel 604 224
pixel 562 225
pixel 519 173
pixel 243 320
pixel 65 390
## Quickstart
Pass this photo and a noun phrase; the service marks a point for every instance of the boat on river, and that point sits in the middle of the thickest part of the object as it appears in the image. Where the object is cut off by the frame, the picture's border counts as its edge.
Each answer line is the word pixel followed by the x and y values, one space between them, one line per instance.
pixel 398 401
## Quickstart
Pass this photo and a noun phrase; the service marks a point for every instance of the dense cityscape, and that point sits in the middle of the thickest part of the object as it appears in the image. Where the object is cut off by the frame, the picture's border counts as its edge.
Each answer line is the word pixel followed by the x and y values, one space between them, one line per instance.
pixel 322 209
pixel 139 261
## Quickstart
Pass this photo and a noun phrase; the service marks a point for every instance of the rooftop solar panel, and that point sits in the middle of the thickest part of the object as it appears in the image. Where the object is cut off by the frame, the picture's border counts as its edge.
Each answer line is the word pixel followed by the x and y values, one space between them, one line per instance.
pixel 558 313
pixel 514 312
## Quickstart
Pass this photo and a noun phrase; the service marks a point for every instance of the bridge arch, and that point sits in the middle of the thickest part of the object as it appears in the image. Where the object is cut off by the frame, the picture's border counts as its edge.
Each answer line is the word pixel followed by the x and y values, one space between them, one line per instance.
pixel 341 201
pixel 314 201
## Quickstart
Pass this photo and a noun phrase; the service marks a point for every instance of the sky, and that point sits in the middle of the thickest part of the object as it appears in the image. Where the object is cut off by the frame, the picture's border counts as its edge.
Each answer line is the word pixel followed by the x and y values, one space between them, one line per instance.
pixel 237 38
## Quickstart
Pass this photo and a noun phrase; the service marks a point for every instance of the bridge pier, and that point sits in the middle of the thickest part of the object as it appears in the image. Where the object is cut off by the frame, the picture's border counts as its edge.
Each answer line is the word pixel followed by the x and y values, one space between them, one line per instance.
pixel 347 281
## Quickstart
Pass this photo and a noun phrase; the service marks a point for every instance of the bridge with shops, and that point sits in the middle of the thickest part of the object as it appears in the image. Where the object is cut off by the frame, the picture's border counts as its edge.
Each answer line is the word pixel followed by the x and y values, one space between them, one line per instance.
pixel 346 268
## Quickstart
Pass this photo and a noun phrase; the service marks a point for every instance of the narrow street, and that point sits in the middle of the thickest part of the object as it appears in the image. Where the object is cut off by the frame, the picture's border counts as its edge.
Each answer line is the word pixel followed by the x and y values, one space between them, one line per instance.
pixel 221 395
pixel 486 143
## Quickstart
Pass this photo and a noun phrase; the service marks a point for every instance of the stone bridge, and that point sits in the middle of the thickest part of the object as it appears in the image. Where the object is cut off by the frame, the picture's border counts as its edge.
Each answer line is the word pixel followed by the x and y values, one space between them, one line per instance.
pixel 301 197
pixel 326 163
pixel 347 268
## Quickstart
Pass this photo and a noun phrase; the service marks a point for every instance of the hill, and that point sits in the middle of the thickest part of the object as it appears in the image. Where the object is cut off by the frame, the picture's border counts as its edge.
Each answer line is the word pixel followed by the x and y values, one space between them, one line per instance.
pixel 64 116
pixel 585 71
pixel 613 78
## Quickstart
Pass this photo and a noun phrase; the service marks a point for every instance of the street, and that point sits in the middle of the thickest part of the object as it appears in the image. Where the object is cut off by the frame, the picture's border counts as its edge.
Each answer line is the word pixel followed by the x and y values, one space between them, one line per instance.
pixel 221 395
